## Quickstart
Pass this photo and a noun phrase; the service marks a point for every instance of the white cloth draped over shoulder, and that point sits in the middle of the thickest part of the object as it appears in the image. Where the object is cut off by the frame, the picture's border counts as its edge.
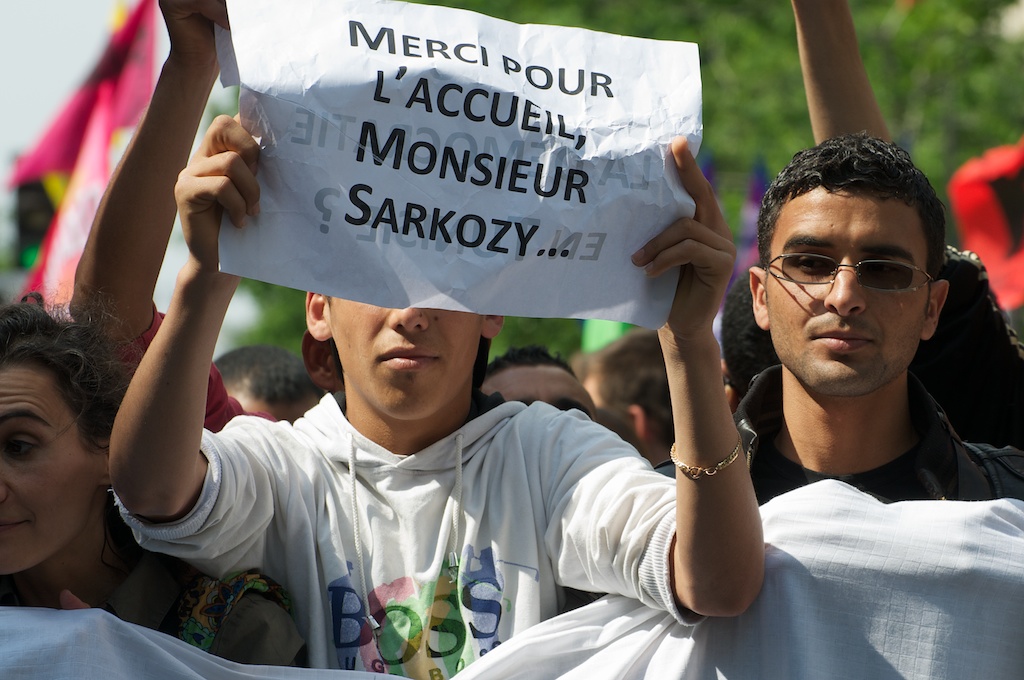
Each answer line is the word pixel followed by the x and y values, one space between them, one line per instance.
pixel 854 588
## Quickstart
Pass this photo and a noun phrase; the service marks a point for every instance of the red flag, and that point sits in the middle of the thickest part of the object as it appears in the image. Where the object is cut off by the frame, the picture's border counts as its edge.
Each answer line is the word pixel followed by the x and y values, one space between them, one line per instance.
pixel 987 198
pixel 79 143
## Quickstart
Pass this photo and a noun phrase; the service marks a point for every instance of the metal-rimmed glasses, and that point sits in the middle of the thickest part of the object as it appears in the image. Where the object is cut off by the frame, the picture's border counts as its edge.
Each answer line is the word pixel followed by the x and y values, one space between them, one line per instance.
pixel 811 269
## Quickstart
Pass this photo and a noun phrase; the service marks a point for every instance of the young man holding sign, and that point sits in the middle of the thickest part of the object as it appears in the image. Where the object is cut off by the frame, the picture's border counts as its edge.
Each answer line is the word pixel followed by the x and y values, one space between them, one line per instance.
pixel 417 523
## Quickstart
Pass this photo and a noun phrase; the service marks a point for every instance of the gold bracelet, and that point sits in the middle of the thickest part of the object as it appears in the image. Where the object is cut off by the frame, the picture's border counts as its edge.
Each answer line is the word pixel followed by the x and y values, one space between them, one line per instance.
pixel 695 471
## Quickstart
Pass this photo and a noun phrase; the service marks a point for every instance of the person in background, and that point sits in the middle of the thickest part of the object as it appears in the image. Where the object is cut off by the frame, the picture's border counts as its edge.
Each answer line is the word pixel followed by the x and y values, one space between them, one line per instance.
pixel 531 373
pixel 268 379
pixel 62 541
pixel 629 379
pixel 746 347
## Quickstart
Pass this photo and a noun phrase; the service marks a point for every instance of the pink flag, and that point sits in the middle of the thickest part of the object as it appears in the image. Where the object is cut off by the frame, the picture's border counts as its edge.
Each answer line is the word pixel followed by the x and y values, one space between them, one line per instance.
pixel 79 142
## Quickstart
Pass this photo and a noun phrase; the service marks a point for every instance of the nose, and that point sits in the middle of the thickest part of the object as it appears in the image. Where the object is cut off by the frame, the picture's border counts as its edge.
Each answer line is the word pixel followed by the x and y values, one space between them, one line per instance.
pixel 845 294
pixel 410 318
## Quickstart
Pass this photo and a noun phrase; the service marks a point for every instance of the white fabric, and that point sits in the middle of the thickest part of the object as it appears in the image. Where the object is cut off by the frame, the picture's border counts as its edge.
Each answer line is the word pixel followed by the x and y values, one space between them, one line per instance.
pixel 45 644
pixel 549 498
pixel 853 589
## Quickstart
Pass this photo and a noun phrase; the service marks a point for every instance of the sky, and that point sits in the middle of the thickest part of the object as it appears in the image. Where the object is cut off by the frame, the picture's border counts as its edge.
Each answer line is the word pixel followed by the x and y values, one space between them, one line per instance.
pixel 47 48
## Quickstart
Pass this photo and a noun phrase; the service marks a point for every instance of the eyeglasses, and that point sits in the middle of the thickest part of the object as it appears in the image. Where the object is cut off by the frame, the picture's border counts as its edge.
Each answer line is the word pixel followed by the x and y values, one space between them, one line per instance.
pixel 811 269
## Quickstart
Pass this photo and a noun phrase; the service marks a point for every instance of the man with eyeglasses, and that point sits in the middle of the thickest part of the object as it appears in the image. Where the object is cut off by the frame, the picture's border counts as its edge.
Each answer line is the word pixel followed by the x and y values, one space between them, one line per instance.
pixel 851 239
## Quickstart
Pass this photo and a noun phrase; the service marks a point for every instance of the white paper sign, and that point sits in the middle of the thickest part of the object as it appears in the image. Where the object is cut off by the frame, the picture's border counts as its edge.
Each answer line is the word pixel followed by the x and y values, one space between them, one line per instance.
pixel 424 156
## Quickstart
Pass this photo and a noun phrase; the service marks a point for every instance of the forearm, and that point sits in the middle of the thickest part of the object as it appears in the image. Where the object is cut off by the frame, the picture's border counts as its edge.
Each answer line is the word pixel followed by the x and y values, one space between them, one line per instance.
pixel 839 95
pixel 126 246
pixel 718 557
pixel 155 463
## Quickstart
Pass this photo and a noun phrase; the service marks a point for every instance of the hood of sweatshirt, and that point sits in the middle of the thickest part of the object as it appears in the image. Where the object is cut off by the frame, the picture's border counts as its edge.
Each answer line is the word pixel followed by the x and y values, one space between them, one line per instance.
pixel 328 430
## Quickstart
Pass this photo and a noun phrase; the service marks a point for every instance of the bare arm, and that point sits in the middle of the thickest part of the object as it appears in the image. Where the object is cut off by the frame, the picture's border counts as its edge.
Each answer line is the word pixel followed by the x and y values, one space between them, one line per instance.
pixel 718 556
pixel 155 463
pixel 126 246
pixel 839 95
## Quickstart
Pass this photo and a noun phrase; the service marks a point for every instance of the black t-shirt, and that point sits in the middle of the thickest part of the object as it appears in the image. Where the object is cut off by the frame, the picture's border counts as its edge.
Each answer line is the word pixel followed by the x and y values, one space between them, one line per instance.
pixel 774 474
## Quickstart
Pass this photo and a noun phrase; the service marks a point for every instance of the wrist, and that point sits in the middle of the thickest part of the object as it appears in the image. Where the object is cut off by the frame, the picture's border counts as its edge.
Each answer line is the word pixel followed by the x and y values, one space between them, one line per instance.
pixel 192 68
pixel 697 343
pixel 196 275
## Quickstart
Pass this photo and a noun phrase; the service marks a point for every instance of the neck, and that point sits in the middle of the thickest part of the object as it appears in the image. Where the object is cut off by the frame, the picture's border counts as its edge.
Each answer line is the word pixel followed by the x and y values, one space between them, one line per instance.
pixel 87 568
pixel 845 435
pixel 404 436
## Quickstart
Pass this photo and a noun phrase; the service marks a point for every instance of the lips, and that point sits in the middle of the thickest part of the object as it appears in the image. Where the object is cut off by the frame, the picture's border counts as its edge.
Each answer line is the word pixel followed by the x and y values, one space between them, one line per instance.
pixel 408 358
pixel 842 340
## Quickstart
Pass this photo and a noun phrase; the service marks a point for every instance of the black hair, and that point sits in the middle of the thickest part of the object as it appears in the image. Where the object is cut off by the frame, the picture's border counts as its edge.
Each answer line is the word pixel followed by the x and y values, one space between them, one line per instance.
pixel 746 348
pixel 856 164
pixel 267 372
pixel 528 355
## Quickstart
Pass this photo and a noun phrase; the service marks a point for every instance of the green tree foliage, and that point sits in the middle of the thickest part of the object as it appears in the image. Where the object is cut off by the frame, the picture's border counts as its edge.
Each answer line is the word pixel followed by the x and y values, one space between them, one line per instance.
pixel 282 316
pixel 560 336
pixel 947 80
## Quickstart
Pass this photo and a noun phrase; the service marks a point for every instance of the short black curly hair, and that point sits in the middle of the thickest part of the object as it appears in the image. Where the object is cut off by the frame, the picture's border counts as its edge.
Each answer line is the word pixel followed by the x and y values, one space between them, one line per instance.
pixel 746 348
pixel 856 164
pixel 268 372
pixel 528 355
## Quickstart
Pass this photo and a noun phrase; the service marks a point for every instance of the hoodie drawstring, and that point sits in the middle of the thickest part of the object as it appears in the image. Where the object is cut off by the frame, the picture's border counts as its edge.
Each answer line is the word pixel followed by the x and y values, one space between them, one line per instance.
pixel 453 539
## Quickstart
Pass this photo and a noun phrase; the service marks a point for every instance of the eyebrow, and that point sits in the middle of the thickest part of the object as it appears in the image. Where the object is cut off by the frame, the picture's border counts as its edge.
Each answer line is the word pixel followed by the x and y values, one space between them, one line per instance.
pixel 878 250
pixel 21 413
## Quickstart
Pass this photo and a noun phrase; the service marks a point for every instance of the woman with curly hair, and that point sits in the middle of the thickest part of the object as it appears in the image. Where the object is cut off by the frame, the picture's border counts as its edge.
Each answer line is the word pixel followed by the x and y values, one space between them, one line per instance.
pixel 62 541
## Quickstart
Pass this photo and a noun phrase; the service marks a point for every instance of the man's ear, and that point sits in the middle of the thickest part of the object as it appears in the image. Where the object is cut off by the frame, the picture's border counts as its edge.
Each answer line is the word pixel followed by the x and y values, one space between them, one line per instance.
pixel 937 292
pixel 319 361
pixel 759 296
pixel 317 316
pixel 492 325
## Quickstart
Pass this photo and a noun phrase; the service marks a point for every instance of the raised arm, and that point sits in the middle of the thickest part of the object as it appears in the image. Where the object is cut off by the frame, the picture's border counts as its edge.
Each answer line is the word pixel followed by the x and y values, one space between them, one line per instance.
pixel 839 95
pixel 155 463
pixel 126 246
pixel 718 557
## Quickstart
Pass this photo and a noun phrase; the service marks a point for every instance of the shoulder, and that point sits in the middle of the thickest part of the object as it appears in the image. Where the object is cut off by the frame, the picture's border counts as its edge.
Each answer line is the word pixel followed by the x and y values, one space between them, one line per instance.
pixel 316 429
pixel 554 435
pixel 1003 467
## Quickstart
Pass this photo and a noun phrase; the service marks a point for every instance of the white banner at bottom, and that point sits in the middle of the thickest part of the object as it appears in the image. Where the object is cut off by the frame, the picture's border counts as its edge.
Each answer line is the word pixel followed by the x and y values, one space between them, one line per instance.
pixel 853 589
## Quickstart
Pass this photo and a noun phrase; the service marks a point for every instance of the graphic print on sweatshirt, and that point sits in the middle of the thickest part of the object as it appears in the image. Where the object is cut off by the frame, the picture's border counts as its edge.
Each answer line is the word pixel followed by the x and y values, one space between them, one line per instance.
pixel 428 630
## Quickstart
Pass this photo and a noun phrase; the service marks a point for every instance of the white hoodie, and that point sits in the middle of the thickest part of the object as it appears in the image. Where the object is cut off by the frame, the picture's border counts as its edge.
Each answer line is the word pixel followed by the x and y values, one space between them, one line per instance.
pixel 548 500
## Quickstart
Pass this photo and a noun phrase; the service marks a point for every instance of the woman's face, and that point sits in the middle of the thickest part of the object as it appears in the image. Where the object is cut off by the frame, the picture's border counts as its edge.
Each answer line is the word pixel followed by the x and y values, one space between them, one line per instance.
pixel 52 487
